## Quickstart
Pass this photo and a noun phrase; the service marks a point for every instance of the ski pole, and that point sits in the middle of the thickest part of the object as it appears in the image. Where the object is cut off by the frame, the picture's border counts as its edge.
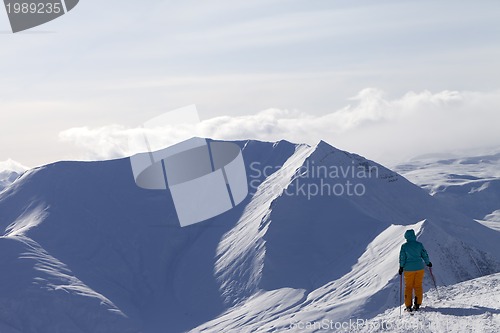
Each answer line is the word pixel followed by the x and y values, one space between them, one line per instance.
pixel 400 291
pixel 434 281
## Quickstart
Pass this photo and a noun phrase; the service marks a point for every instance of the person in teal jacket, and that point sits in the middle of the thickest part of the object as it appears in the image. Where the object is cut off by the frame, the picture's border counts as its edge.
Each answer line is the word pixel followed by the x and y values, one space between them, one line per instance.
pixel 412 257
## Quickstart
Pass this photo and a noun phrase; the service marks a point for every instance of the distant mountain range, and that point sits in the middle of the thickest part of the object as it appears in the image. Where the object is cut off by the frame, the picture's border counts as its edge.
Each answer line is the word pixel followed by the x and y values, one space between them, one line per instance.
pixel 83 249
pixel 9 171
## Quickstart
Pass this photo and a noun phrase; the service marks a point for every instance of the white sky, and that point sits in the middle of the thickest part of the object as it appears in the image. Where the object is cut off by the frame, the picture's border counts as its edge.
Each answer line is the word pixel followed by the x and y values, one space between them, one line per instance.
pixel 108 66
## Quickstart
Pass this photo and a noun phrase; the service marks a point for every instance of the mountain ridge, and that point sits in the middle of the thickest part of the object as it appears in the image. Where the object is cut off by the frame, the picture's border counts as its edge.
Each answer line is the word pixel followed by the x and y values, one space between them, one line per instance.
pixel 125 244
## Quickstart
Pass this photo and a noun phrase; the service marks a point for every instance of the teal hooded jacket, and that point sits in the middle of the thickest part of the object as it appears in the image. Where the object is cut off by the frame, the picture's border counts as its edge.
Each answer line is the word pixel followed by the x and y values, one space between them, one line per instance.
pixel 413 254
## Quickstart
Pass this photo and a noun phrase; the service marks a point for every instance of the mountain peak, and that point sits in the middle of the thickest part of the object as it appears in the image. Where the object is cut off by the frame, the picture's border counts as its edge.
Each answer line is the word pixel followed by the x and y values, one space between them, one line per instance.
pixel 320 226
pixel 325 147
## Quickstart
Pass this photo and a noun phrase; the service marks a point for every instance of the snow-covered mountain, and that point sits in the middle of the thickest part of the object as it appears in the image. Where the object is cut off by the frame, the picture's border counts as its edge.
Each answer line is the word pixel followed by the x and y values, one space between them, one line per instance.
pixel 10 170
pixel 83 249
pixel 470 183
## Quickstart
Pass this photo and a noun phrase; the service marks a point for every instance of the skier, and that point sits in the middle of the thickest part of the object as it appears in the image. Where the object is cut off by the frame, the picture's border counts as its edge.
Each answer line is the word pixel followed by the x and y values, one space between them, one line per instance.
pixel 411 260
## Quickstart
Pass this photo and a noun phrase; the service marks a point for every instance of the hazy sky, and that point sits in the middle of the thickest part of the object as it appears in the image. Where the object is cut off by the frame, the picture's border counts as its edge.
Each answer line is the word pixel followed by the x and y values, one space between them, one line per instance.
pixel 386 79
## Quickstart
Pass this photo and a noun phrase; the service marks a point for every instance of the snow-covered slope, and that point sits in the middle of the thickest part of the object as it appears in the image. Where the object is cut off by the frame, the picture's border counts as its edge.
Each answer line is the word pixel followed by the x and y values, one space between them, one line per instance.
pixel 105 255
pixel 120 241
pixel 469 184
pixel 471 306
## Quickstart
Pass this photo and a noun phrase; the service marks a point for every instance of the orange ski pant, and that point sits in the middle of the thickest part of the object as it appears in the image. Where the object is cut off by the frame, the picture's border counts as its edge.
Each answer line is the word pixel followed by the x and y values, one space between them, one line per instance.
pixel 413 282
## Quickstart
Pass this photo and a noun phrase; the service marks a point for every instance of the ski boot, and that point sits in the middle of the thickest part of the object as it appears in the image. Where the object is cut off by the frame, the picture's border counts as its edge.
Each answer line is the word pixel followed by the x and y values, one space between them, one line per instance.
pixel 416 306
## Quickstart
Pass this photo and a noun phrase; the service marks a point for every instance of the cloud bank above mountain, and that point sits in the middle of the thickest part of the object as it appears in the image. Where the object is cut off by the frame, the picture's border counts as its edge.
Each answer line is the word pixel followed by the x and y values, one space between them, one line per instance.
pixel 387 129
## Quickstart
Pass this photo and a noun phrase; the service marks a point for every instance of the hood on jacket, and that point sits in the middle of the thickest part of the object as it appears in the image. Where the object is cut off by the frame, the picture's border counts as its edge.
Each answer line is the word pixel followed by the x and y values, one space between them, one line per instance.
pixel 410 235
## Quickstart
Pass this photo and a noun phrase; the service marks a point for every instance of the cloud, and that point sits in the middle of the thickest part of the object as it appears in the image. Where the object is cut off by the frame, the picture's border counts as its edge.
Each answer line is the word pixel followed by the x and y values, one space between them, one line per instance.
pixel 10 165
pixel 385 129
